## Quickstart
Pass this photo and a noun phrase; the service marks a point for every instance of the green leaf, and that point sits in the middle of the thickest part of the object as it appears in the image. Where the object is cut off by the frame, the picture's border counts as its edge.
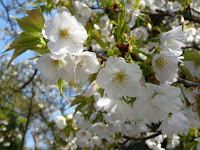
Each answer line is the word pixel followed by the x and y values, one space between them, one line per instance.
pixel 157 28
pixel 60 84
pixel 137 3
pixel 146 69
pixel 110 52
pixel 21 120
pixel 78 99
pixel 22 43
pixel 121 26
pixel 128 58
pixel 185 2
pixel 80 106
pixel 33 23
pixel 139 51
pixel 186 72
pixel 41 49
pixel 101 44
pixel 191 56
pixel 113 145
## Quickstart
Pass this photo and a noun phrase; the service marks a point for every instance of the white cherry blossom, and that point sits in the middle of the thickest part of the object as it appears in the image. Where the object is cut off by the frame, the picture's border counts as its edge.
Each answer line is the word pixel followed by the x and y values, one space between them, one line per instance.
pixel 95 140
pixel 101 129
pixel 119 78
pixel 118 109
pixel 60 122
pixel 175 123
pixel 87 64
pixel 53 69
pixel 172 41
pixel 156 102
pixel 83 12
pixel 140 33
pixel 165 67
pixel 64 36
pixel 83 135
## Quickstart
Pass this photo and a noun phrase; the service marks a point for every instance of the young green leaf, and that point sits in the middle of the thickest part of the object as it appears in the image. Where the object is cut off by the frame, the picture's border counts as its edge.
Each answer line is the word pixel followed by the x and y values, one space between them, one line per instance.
pixel 60 84
pixel 78 99
pixel 22 43
pixel 33 23
pixel 186 72
pixel 191 56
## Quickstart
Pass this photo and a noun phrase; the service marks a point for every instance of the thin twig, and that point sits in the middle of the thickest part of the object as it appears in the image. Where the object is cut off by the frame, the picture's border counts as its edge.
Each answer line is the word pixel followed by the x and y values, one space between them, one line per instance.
pixel 101 57
pixel 29 81
pixel 188 83
pixel 28 117
pixel 143 138
pixel 8 17
pixel 127 138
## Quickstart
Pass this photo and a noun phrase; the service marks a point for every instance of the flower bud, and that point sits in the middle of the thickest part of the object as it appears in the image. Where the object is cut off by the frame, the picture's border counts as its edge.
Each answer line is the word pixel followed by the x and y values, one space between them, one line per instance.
pixel 149 26
pixel 196 92
pixel 60 122
pixel 91 89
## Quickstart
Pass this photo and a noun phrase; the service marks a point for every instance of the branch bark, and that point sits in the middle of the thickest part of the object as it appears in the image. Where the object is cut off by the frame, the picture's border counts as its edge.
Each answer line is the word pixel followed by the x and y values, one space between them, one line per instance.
pixel 29 81
pixel 188 83
pixel 28 118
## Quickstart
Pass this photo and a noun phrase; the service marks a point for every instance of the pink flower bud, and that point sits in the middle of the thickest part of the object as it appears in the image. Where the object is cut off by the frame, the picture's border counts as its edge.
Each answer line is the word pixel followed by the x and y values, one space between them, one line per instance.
pixel 91 89
pixel 196 92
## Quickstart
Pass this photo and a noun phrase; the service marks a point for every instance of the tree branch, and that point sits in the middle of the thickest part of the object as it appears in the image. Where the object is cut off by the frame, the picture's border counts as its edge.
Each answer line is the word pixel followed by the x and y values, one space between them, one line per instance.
pixel 29 81
pixel 7 15
pixel 143 138
pixel 101 57
pixel 188 83
pixel 140 138
pixel 28 118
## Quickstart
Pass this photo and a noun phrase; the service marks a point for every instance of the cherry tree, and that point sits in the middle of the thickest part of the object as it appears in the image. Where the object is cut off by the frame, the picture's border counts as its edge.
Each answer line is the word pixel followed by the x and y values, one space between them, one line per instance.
pixel 139 63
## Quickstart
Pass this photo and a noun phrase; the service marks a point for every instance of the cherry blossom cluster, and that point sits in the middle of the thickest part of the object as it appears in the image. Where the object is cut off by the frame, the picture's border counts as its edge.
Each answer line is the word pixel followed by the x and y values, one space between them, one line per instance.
pixel 134 85
pixel 128 100
pixel 67 60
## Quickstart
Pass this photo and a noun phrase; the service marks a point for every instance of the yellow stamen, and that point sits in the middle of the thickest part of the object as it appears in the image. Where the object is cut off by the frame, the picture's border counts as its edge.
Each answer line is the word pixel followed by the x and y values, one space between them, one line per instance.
pixel 57 63
pixel 160 63
pixel 64 34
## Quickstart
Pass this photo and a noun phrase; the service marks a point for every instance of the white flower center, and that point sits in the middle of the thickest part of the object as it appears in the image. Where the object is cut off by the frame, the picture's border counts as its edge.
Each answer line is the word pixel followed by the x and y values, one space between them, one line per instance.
pixel 151 104
pixel 119 79
pixel 64 34
pixel 84 134
pixel 154 106
pixel 81 63
pixel 57 63
pixel 160 63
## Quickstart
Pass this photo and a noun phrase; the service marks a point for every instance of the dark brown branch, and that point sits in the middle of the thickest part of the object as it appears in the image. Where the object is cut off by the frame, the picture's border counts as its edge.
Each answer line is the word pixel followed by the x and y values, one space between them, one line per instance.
pixel 143 138
pixel 48 124
pixel 161 14
pixel 101 57
pixel 7 15
pixel 156 14
pixel 194 47
pixel 140 138
pixel 28 82
pixel 18 3
pixel 188 83
pixel 28 118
